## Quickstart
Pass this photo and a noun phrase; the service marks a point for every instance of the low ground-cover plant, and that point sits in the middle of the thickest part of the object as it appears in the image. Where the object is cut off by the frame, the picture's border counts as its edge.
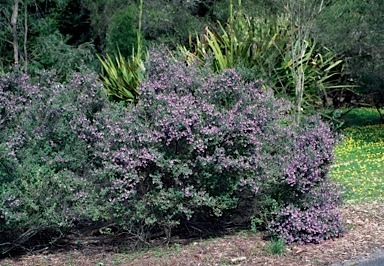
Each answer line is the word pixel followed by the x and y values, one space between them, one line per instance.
pixel 197 145
pixel 359 158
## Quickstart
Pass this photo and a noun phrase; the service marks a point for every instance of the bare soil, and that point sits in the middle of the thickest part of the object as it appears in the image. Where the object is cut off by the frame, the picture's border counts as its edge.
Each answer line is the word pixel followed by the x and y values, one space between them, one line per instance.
pixel 364 221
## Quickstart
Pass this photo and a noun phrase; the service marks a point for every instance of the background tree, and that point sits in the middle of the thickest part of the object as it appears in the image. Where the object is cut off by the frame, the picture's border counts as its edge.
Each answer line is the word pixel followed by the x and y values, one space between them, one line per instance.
pixel 101 13
pixel 14 21
pixel 355 29
pixel 122 33
pixel 37 34
pixel 15 42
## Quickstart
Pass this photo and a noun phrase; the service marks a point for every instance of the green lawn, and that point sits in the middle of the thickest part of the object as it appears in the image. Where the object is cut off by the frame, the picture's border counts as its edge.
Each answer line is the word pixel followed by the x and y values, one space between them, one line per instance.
pixel 359 164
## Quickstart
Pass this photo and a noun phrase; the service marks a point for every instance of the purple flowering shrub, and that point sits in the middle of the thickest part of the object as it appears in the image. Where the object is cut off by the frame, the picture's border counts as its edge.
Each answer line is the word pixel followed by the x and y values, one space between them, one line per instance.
pixel 205 144
pixel 44 165
pixel 197 144
pixel 183 149
pixel 210 131
pixel 305 199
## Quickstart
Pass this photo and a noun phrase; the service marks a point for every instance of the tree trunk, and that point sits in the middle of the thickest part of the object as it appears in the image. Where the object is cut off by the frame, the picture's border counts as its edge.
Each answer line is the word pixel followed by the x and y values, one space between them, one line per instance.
pixel 15 43
pixel 25 61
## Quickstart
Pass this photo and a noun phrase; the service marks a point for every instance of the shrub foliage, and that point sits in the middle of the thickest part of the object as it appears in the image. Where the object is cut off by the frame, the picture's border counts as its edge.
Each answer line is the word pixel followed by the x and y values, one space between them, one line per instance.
pixel 197 144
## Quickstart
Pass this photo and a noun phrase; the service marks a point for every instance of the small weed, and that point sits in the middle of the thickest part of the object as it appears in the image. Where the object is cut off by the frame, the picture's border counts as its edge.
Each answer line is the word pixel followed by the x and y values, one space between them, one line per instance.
pixel 166 251
pixel 318 262
pixel 208 259
pixel 223 261
pixel 349 227
pixel 119 259
pixel 255 223
pixel 275 247
pixel 132 256
pixel 69 262
pixel 246 233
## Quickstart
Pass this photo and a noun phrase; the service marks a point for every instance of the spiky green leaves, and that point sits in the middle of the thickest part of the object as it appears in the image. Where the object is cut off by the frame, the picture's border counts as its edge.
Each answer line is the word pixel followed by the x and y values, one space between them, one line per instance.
pixel 121 77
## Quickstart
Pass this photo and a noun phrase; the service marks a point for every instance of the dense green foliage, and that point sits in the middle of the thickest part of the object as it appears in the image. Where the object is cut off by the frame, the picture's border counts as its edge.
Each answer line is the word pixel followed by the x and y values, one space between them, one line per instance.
pixel 354 29
pixel 263 47
pixel 350 30
pixel 122 33
pixel 45 30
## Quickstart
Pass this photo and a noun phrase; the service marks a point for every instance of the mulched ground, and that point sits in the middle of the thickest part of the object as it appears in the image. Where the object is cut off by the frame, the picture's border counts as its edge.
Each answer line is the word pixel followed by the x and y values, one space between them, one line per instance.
pixel 365 236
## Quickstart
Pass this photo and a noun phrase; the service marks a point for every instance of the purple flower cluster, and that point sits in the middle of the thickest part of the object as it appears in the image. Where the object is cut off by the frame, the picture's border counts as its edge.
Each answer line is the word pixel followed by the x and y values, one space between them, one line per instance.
pixel 313 225
pixel 314 219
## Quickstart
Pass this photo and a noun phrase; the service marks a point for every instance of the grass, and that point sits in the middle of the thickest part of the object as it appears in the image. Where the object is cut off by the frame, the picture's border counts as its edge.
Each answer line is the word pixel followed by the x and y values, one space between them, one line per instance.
pixel 362 117
pixel 359 164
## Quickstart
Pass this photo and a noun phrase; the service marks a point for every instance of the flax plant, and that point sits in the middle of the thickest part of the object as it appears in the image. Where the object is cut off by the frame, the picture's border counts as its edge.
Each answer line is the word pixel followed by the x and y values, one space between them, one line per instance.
pixel 229 45
pixel 121 76
pixel 280 53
